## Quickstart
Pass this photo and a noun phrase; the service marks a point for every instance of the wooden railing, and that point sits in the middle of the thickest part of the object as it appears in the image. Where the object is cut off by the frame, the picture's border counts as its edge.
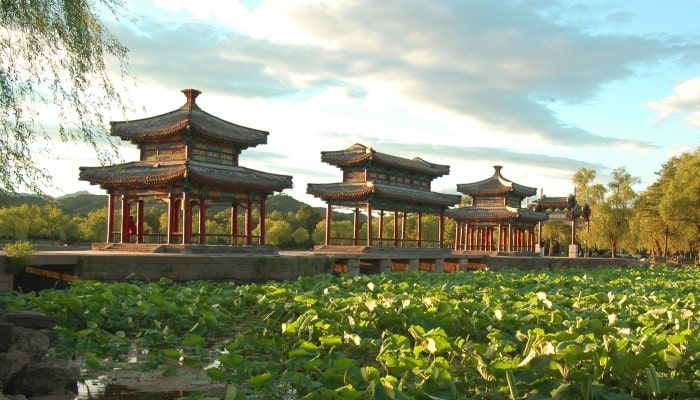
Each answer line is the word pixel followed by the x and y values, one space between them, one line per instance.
pixel 176 238
pixel 385 242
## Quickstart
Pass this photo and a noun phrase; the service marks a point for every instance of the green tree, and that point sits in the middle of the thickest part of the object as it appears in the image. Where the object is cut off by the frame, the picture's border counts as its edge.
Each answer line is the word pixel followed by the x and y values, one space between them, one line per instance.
pixel 54 57
pixel 54 222
pixel 555 231
pixel 587 192
pixel 94 227
pixel 307 218
pixel 610 220
pixel 340 229
pixel 680 204
pixel 21 222
pixel 649 231
pixel 301 236
pixel 278 232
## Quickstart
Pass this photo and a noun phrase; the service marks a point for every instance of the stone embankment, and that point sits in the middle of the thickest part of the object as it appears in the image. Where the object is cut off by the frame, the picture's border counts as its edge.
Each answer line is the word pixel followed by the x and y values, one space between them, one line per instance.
pixel 25 370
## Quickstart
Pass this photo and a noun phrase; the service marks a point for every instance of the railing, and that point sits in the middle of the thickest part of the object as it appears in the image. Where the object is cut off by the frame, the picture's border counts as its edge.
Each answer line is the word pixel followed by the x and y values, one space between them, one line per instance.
pixel 385 242
pixel 176 238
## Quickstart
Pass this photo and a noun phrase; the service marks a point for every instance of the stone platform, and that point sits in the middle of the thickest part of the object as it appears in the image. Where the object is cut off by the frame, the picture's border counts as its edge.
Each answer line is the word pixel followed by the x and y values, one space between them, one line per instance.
pixel 245 265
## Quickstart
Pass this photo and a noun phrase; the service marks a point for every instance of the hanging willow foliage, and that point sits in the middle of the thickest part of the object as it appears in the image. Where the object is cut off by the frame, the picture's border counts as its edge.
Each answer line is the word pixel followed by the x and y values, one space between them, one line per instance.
pixel 54 83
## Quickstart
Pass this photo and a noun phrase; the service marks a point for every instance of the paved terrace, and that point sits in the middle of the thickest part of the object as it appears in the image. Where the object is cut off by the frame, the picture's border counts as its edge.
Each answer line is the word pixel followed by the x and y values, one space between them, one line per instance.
pixel 256 264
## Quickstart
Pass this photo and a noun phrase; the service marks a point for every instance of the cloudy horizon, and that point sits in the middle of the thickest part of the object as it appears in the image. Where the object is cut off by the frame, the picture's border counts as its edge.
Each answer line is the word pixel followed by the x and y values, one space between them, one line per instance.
pixel 540 87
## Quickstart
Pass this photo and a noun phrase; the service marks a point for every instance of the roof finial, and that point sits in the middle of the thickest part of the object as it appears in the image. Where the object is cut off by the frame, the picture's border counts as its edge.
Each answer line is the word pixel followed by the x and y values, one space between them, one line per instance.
pixel 191 95
pixel 498 169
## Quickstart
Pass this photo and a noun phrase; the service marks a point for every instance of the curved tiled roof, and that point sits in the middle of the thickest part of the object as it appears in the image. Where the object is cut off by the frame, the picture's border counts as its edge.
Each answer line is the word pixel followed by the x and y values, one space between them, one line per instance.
pixel 361 191
pixel 495 214
pixel 189 116
pixel 496 184
pixel 359 154
pixel 551 203
pixel 144 174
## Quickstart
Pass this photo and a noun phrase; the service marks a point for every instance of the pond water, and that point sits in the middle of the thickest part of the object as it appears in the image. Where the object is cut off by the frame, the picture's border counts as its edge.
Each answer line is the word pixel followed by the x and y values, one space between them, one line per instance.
pixel 104 388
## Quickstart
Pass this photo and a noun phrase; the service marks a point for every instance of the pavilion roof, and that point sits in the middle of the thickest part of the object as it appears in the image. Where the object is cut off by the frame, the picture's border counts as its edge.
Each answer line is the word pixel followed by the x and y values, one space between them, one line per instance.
pixel 552 202
pixel 495 214
pixel 147 174
pixel 190 118
pixel 495 184
pixel 362 191
pixel 359 154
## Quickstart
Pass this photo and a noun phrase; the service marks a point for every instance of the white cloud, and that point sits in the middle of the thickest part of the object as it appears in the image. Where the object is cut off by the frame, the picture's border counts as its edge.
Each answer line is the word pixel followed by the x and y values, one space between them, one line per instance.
pixel 461 83
pixel 685 100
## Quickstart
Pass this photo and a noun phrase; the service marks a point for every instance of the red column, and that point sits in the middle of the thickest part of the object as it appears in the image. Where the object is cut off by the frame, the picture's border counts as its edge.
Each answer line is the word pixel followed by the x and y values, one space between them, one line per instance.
pixel 381 227
pixel 328 224
pixel 458 236
pixel 202 220
pixel 500 237
pixel 125 220
pixel 262 222
pixel 520 239
pixel 186 218
pixel 356 227
pixel 369 224
pixel 110 217
pixel 171 222
pixel 403 227
pixel 419 234
pixel 510 237
pixel 139 221
pixel 249 223
pixel 468 239
pixel 396 228
pixel 441 229
pixel 234 223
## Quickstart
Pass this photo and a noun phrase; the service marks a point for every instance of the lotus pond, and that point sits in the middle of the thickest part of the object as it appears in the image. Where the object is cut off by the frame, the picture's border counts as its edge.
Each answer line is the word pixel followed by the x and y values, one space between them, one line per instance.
pixel 626 333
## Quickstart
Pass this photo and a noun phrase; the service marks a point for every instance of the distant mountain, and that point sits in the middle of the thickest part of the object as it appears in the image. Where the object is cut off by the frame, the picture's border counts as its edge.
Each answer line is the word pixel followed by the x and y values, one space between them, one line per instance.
pixel 81 203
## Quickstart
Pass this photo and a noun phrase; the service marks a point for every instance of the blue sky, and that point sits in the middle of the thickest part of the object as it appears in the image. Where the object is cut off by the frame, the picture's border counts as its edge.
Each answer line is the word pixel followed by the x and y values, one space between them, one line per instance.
pixel 540 87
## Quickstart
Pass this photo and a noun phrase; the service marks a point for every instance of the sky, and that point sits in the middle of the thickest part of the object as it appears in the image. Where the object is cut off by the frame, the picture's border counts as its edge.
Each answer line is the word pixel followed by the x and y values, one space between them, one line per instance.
pixel 540 87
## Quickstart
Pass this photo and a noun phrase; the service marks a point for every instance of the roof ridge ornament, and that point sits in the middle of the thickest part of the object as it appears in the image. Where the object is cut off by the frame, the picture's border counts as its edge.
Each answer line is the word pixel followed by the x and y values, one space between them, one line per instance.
pixel 191 95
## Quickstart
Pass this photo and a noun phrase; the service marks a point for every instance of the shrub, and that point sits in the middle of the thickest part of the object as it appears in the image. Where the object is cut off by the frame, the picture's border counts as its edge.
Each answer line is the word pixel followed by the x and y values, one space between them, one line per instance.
pixel 19 254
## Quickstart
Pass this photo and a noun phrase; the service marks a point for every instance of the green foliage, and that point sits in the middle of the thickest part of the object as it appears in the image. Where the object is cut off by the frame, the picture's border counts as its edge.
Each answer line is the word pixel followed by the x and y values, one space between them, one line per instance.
pixel 680 204
pixel 93 227
pixel 665 218
pixel 611 209
pixel 561 334
pixel 54 57
pixel 19 254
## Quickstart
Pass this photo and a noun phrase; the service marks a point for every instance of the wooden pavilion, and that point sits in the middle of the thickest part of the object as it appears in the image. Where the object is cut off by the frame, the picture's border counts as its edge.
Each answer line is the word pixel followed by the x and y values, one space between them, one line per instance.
pixel 378 183
pixel 495 222
pixel 189 162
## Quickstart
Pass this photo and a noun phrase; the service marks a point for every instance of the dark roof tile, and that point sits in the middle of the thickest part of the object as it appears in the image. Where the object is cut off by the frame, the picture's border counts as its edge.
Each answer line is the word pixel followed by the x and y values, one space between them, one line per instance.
pixel 145 174
pixel 359 191
pixel 495 184
pixel 495 214
pixel 358 154
pixel 201 124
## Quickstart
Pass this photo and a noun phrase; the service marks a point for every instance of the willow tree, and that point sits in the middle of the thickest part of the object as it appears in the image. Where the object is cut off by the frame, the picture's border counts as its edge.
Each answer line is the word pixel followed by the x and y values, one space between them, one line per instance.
pixel 610 226
pixel 680 204
pixel 587 192
pixel 54 67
